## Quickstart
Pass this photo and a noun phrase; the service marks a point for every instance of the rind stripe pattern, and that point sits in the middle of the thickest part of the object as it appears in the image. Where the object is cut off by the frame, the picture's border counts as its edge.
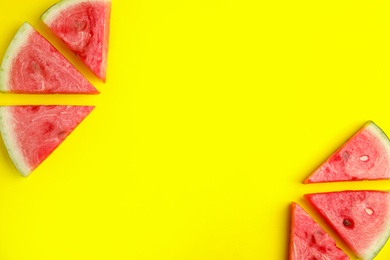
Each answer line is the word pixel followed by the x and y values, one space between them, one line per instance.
pixel 10 141
pixel 19 40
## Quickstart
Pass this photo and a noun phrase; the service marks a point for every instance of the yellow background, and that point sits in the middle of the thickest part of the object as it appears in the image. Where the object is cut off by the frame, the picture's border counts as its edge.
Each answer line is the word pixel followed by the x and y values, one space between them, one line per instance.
pixel 212 115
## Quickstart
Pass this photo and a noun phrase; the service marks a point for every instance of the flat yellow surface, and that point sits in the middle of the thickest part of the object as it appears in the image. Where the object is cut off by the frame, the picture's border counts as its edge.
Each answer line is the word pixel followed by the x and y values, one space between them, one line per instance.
pixel 212 115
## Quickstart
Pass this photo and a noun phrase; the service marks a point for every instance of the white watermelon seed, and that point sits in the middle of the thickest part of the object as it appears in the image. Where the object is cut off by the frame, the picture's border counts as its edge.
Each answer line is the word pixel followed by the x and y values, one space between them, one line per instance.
pixel 364 158
pixel 369 211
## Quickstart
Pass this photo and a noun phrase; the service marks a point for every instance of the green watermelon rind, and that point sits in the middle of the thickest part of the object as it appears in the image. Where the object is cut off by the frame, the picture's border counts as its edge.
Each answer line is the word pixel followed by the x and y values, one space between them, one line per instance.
pixel 9 138
pixel 20 39
pixel 381 135
pixel 50 14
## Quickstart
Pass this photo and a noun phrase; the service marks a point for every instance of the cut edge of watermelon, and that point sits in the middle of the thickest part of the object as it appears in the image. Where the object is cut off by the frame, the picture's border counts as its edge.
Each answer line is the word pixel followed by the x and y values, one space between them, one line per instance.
pixel 19 40
pixel 373 129
pixel 381 240
pixel 50 14
pixel 10 141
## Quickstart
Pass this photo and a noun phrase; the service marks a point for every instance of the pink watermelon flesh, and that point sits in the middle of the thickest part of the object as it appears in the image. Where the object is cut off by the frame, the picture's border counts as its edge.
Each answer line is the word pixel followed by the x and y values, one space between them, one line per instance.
pixel 361 218
pixel 32 65
pixel 365 156
pixel 84 26
pixel 308 240
pixel 32 133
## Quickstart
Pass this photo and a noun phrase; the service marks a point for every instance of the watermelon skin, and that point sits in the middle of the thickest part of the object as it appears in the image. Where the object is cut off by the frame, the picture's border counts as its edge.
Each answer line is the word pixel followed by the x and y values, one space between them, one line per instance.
pixel 361 218
pixel 308 240
pixel 365 156
pixel 84 26
pixel 32 65
pixel 32 133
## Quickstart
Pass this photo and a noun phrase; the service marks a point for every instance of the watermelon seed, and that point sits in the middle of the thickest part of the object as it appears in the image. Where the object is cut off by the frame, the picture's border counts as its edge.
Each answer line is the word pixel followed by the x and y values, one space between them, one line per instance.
pixel 313 240
pixel 347 222
pixel 369 211
pixel 364 158
pixel 62 134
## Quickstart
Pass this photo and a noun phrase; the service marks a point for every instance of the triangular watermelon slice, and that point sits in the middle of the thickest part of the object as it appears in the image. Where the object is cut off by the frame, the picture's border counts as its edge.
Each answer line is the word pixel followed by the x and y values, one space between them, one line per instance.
pixel 365 156
pixel 32 133
pixel 308 240
pixel 32 65
pixel 84 26
pixel 361 218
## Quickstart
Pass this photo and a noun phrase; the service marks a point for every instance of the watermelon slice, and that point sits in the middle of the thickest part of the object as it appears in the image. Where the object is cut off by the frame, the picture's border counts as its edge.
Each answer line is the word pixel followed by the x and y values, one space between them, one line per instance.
pixel 32 133
pixel 361 218
pixel 365 156
pixel 84 26
pixel 308 240
pixel 32 65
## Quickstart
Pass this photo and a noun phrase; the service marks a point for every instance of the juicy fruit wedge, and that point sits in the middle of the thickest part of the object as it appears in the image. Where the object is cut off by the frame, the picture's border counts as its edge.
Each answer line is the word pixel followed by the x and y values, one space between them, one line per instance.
pixel 308 240
pixel 361 218
pixel 84 26
pixel 32 133
pixel 32 65
pixel 365 156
